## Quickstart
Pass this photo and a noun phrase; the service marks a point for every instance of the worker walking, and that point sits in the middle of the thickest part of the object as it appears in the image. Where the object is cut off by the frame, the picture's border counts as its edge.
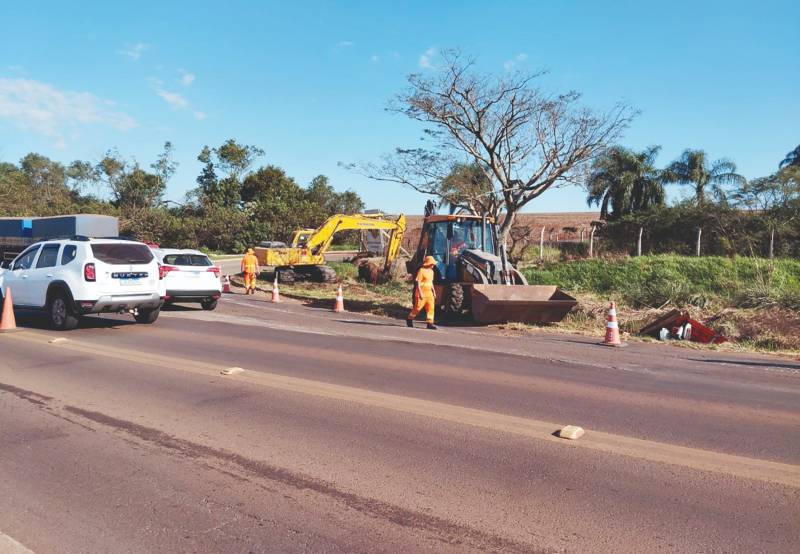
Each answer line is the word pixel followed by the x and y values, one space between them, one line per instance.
pixel 424 293
pixel 251 270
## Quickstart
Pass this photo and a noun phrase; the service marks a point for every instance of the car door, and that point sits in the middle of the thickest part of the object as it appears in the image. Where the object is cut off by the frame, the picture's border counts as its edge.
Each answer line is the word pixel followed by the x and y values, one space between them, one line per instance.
pixel 19 275
pixel 42 274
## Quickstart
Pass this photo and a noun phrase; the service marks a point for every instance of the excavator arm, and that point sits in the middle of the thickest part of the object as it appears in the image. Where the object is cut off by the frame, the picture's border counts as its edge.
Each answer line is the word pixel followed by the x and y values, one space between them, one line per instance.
pixel 318 241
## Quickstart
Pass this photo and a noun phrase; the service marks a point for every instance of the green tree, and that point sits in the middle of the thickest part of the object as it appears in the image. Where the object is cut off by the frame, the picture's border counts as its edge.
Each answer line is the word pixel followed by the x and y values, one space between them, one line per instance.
pixel 624 182
pixel 694 168
pixel 131 186
pixel 468 188
pixel 791 159
pixel 224 167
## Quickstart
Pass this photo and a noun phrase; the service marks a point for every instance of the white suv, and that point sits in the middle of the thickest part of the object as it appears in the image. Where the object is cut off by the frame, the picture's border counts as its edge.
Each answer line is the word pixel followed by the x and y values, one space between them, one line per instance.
pixel 73 277
pixel 188 276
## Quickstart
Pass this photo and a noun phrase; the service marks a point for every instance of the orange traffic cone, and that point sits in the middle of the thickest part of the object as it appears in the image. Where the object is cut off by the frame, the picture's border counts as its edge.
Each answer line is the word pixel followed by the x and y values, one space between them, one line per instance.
pixel 339 306
pixel 226 284
pixel 7 321
pixel 612 328
pixel 276 295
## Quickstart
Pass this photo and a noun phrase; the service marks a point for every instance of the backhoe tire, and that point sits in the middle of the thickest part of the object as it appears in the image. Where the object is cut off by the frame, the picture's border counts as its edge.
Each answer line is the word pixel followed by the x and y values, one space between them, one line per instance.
pixel 454 300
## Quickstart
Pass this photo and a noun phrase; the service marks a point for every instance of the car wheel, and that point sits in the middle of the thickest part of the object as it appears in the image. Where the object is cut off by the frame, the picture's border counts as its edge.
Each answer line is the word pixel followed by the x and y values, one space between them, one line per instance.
pixel 61 316
pixel 209 304
pixel 147 315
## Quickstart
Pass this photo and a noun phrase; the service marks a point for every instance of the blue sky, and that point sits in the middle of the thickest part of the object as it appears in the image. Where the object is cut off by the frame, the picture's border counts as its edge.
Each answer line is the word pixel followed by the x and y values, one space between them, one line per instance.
pixel 308 81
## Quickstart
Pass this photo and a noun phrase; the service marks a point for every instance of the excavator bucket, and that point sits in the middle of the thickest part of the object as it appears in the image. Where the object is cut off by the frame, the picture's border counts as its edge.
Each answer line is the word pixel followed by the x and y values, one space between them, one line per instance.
pixel 522 303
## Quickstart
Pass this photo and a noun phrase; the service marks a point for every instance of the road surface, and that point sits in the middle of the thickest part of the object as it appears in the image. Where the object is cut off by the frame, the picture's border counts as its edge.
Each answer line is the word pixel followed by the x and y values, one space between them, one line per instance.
pixel 349 433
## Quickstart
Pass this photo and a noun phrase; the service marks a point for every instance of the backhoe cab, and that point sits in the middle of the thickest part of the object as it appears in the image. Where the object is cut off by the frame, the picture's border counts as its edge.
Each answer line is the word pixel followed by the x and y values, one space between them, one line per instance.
pixel 472 274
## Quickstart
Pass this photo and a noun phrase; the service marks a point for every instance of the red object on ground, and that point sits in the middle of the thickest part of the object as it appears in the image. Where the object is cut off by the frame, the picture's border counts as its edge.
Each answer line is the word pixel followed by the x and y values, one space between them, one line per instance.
pixel 675 319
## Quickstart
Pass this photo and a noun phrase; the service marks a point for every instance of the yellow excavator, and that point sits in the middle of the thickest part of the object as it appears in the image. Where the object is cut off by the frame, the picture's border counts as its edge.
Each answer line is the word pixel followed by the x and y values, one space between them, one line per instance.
pixel 304 260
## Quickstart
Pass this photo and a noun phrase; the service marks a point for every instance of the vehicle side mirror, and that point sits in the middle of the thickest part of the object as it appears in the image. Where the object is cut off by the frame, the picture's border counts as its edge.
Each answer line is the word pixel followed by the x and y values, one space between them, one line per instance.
pixel 5 264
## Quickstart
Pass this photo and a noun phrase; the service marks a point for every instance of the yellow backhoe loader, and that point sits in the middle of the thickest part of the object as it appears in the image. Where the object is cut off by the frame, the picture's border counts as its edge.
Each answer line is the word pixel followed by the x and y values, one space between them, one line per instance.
pixel 305 259
pixel 472 274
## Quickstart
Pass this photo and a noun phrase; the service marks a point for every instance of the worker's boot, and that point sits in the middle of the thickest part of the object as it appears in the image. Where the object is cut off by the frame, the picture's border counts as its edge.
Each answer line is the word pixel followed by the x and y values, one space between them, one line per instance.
pixel 432 327
pixel 409 323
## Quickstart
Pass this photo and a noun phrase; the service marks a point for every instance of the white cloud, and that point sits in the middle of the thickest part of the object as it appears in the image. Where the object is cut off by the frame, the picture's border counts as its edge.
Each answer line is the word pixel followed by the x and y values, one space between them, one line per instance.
pixel 186 78
pixel 44 109
pixel 135 51
pixel 511 64
pixel 375 58
pixel 426 59
pixel 174 99
pixel 199 115
pixel 345 44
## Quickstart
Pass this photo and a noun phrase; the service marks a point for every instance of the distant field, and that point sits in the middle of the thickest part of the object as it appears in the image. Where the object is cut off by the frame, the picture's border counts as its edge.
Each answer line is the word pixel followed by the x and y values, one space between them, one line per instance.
pixel 553 223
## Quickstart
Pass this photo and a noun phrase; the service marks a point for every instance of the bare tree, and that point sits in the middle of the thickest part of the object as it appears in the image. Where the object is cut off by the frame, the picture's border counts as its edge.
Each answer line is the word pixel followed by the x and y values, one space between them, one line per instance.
pixel 522 139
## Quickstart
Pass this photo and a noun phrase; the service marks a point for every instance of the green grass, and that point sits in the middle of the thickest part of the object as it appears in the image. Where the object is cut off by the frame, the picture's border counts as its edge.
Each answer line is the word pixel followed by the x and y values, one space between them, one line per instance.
pixel 343 247
pixel 679 280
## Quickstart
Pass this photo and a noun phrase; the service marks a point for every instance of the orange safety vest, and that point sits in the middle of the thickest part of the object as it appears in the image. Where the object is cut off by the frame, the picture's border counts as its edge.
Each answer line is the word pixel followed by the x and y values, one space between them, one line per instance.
pixel 424 281
pixel 249 263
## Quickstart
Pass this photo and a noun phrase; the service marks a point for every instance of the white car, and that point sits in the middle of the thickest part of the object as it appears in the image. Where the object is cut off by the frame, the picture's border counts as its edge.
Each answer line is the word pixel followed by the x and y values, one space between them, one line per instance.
pixel 188 276
pixel 70 278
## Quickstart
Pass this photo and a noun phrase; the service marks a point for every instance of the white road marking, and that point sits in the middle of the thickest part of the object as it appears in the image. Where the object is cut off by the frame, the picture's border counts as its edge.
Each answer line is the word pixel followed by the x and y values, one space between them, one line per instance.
pixel 11 546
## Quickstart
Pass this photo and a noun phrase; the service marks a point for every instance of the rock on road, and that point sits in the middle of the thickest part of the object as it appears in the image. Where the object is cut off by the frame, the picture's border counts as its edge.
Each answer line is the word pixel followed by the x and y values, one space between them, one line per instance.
pixel 349 433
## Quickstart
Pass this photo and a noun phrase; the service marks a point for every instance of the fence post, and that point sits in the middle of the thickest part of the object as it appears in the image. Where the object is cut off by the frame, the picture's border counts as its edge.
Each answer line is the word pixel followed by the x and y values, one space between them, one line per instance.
pixel 639 243
pixel 591 242
pixel 541 244
pixel 772 243
pixel 582 229
pixel 699 234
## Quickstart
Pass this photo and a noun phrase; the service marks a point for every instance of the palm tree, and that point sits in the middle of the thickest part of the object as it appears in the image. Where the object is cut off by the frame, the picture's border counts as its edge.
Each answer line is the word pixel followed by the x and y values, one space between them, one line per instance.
pixel 693 168
pixel 624 181
pixel 791 159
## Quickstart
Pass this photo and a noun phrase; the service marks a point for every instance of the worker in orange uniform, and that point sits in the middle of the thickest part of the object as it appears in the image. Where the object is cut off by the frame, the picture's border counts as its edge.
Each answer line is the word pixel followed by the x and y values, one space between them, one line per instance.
pixel 424 293
pixel 251 270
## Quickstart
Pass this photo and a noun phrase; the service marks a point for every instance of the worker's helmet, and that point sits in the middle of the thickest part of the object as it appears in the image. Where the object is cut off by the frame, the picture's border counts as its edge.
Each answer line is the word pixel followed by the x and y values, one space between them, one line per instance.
pixel 429 261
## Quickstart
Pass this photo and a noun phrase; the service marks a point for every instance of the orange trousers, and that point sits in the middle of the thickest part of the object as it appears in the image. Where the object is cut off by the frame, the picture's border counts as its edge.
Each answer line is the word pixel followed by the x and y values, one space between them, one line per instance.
pixel 427 303
pixel 249 281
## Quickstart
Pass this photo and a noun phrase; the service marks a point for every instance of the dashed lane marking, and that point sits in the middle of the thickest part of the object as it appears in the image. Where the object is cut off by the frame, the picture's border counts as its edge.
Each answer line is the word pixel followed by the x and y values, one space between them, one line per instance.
pixel 693 458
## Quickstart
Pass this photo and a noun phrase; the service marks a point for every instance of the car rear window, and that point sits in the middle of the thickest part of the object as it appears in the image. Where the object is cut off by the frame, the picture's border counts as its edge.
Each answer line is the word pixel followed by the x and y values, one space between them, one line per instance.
pixel 122 253
pixel 187 259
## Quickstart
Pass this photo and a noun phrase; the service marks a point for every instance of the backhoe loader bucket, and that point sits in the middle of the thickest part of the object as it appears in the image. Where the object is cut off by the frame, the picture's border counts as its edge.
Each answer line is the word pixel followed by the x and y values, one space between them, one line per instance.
pixel 522 303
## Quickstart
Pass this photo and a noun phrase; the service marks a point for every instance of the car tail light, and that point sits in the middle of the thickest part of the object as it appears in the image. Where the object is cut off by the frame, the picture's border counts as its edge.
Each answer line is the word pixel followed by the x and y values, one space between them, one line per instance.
pixel 164 269
pixel 214 269
pixel 89 273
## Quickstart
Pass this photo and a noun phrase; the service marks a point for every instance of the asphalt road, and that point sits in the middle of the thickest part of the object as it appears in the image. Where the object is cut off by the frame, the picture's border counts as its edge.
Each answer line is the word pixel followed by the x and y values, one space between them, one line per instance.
pixel 354 434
